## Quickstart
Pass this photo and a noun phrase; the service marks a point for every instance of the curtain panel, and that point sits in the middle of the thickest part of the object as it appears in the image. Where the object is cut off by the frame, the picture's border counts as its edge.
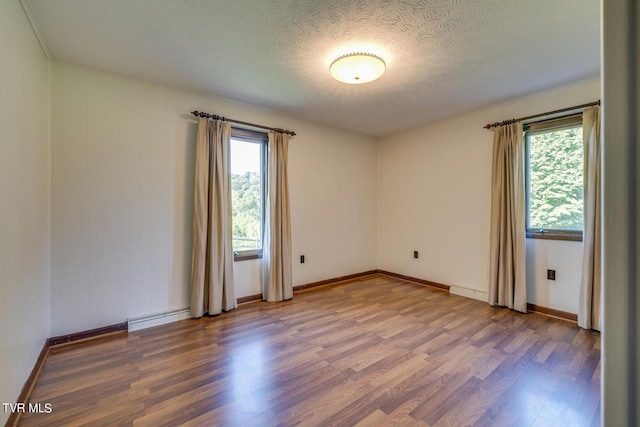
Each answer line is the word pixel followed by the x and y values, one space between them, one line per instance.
pixel 276 259
pixel 589 309
pixel 507 286
pixel 212 256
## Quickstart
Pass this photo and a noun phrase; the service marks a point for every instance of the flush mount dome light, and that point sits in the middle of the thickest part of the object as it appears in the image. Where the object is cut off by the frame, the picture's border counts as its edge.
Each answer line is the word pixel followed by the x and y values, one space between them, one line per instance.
pixel 357 68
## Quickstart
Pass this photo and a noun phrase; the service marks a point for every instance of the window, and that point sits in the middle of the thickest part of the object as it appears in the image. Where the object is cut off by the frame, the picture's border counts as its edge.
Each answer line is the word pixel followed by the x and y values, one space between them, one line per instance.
pixel 248 179
pixel 554 178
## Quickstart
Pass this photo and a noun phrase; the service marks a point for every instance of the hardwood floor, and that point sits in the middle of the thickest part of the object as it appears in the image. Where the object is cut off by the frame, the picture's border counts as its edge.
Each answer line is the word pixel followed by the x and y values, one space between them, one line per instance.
pixel 375 351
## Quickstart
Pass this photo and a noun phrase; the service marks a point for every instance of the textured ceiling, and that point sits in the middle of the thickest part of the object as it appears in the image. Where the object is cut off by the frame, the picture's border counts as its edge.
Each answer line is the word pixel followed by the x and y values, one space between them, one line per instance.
pixel 444 57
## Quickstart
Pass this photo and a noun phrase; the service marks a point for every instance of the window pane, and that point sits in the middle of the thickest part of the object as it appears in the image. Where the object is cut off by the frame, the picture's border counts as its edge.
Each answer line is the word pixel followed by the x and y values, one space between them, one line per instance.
pixel 556 179
pixel 246 195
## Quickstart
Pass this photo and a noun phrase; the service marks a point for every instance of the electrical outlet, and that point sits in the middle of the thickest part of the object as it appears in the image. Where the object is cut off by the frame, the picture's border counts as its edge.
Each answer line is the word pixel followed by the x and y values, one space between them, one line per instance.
pixel 415 254
pixel 551 275
pixel 301 259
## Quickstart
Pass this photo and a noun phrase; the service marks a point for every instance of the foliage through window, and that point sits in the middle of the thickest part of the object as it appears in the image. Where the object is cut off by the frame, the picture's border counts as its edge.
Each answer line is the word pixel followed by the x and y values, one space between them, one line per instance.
pixel 555 170
pixel 248 157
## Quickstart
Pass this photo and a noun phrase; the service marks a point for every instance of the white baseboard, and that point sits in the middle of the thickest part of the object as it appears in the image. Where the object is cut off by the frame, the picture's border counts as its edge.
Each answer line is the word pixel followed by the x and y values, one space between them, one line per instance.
pixel 469 293
pixel 148 321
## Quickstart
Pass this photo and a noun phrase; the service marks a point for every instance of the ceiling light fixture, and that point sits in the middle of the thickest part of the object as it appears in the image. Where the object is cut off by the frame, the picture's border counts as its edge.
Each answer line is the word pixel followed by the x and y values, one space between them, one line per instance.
pixel 357 68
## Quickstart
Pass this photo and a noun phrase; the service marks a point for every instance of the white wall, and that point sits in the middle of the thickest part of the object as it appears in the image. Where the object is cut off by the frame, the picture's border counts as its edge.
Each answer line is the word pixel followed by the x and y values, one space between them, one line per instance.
pixel 566 258
pixel 434 196
pixel 122 179
pixel 24 201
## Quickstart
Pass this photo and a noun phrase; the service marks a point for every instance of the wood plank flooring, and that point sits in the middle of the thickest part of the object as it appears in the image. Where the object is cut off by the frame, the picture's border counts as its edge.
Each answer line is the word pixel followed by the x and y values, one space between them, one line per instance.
pixel 375 351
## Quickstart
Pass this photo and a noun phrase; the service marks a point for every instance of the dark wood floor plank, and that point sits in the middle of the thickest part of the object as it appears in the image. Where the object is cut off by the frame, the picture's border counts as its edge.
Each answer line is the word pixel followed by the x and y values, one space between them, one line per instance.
pixel 371 351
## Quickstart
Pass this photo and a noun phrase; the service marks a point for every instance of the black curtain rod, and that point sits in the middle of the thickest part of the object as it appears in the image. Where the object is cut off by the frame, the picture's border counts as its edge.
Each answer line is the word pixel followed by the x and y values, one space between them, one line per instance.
pixel 224 119
pixel 562 110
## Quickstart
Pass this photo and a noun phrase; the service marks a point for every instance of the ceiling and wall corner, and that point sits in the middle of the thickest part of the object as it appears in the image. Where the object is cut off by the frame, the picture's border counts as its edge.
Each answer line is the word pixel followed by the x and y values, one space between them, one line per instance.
pixel 444 57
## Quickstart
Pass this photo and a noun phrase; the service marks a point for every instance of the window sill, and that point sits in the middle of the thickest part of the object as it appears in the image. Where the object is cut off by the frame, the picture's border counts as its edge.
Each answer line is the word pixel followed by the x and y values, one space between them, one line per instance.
pixel 555 235
pixel 246 256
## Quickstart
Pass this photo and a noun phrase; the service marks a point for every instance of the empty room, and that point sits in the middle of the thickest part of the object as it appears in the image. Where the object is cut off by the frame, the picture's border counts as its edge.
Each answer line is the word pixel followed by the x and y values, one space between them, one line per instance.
pixel 254 213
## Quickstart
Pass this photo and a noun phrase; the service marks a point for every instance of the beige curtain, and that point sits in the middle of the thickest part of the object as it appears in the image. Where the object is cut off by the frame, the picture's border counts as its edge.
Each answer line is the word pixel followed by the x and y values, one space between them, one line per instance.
pixel 507 285
pixel 212 258
pixel 591 284
pixel 276 258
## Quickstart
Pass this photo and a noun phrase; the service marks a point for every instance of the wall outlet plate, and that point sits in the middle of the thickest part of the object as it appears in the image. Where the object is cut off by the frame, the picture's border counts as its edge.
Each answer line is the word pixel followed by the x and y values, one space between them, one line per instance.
pixel 551 275
pixel 415 254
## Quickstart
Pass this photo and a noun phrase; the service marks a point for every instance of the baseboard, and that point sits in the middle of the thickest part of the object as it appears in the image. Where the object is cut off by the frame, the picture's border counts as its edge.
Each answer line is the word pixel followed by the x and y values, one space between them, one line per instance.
pixel 64 339
pixel 469 293
pixel 144 322
pixel 334 280
pixel 416 280
pixel 553 312
pixel 249 298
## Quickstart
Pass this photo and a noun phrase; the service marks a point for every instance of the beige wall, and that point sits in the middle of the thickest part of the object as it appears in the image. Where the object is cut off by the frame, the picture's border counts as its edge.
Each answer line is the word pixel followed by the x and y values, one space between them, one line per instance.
pixel 24 201
pixel 122 178
pixel 434 197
